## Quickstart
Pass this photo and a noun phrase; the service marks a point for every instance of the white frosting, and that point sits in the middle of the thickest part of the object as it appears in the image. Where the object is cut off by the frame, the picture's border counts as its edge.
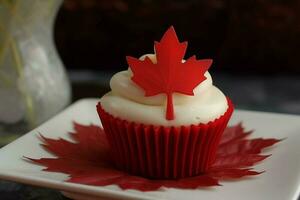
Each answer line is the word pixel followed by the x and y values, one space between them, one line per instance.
pixel 127 101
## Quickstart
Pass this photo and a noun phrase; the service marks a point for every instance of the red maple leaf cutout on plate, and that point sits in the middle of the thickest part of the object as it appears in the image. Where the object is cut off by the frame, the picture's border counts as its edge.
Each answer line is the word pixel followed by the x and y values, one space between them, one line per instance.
pixel 88 162
pixel 170 74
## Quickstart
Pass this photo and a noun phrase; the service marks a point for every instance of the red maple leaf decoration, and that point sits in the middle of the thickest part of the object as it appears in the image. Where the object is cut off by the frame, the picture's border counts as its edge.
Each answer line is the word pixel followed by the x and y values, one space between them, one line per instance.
pixel 170 74
pixel 88 162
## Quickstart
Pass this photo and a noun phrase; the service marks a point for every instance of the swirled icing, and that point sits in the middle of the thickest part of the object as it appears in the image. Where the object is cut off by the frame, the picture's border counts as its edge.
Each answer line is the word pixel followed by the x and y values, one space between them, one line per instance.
pixel 127 101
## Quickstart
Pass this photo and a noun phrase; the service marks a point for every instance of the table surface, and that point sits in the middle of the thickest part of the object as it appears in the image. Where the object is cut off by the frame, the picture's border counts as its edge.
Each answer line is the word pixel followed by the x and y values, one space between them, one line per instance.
pixel 272 94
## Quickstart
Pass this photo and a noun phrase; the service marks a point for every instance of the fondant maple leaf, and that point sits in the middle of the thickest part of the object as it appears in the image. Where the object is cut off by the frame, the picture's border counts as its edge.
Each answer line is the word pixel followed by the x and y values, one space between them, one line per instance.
pixel 170 73
pixel 88 162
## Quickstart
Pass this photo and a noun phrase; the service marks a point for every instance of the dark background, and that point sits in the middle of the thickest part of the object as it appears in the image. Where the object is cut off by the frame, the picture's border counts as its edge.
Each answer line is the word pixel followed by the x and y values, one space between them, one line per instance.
pixel 248 37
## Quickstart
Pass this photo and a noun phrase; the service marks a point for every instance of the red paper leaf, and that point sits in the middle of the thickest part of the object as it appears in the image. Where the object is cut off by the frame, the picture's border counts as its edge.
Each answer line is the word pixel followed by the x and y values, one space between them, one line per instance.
pixel 233 173
pixel 232 134
pixel 88 162
pixel 169 74
pixel 85 136
pixel 254 146
pixel 236 161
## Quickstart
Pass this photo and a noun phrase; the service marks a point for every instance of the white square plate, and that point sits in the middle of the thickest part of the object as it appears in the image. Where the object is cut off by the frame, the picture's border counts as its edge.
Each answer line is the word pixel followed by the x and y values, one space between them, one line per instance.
pixel 281 181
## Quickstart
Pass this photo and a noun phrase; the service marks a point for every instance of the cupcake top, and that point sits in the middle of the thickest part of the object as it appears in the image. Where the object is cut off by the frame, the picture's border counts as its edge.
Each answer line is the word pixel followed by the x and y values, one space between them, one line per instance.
pixel 129 101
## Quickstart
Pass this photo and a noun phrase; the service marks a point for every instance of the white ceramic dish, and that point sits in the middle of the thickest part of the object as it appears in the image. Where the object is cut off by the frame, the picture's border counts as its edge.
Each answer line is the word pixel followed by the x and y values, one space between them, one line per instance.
pixel 281 181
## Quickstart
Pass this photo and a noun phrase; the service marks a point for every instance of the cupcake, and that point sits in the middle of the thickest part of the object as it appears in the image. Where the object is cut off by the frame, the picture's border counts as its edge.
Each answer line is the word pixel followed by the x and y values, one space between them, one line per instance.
pixel 163 117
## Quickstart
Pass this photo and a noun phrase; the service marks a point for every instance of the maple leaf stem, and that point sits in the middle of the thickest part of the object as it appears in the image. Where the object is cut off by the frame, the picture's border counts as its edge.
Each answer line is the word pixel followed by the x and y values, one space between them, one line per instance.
pixel 170 107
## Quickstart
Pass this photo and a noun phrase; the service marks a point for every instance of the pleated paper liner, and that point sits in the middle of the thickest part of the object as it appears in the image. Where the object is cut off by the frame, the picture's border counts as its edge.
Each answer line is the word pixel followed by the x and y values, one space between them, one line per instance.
pixel 159 152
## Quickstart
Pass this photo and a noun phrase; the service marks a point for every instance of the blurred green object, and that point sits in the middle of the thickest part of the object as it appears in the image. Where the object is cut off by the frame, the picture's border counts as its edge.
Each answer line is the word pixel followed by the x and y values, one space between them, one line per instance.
pixel 33 82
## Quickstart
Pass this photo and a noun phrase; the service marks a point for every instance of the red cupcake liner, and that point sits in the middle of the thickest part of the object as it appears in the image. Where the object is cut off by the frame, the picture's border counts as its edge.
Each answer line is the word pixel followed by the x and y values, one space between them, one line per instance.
pixel 163 152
